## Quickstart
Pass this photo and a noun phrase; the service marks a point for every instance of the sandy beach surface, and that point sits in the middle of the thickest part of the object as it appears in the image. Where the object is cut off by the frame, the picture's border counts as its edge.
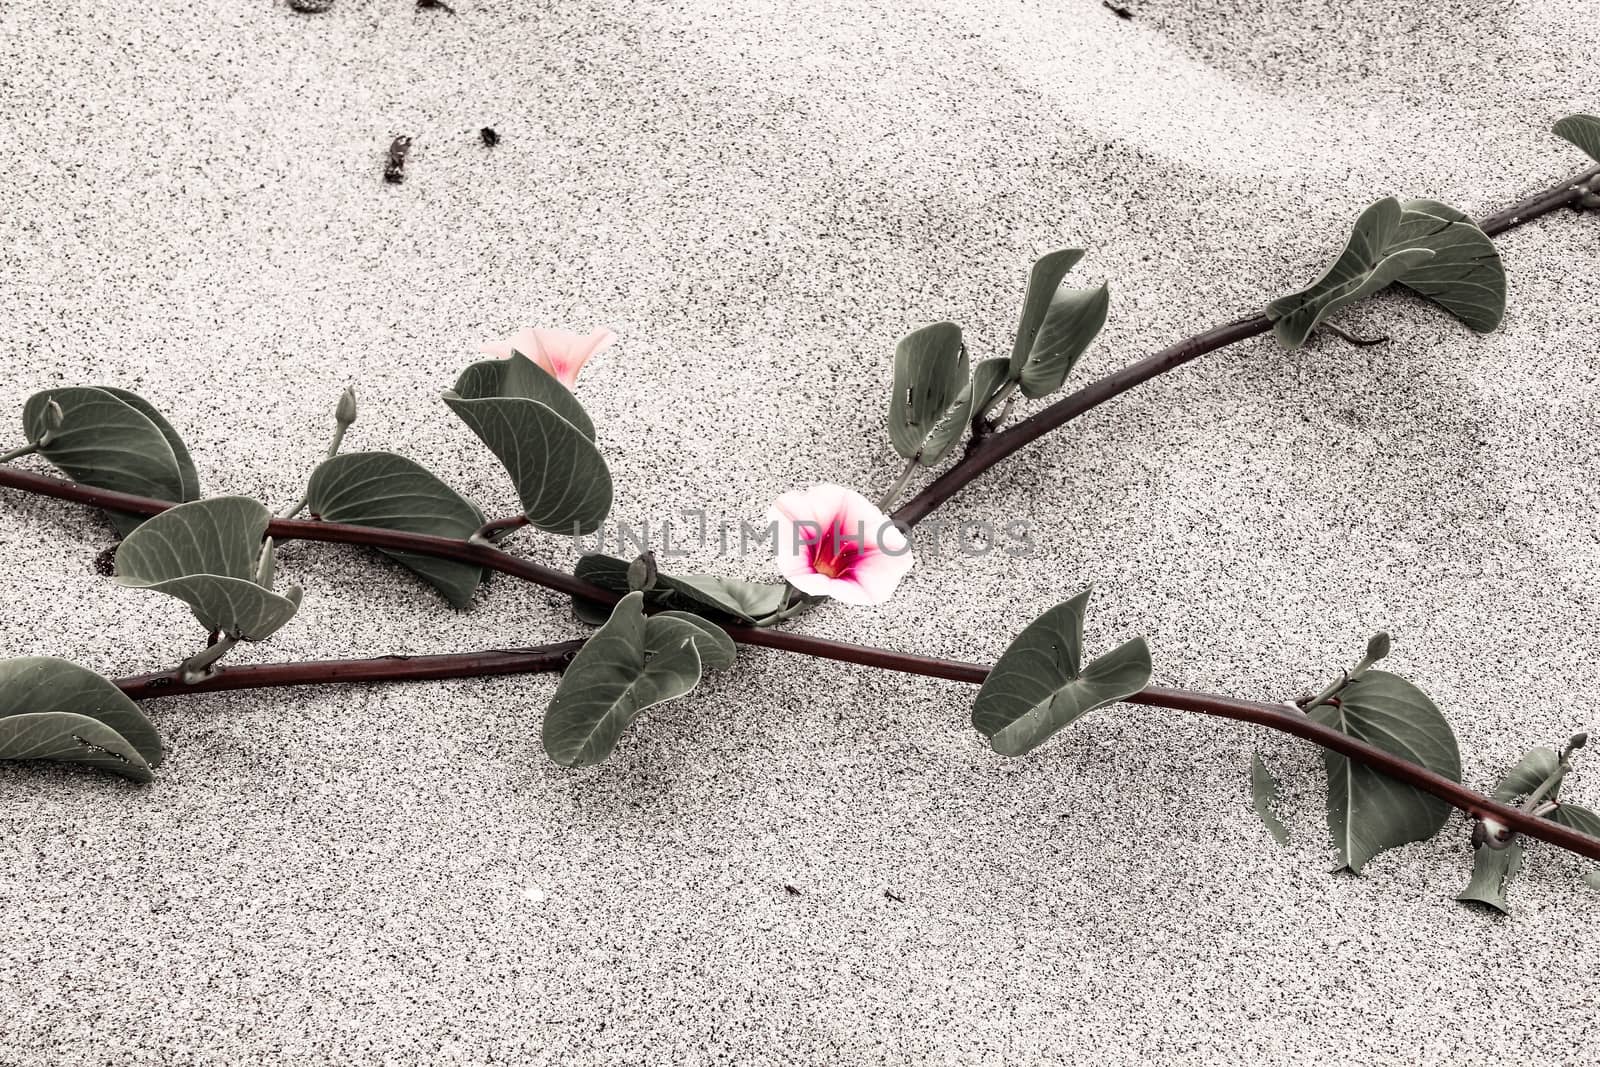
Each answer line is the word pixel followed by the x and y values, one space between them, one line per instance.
pixel 803 862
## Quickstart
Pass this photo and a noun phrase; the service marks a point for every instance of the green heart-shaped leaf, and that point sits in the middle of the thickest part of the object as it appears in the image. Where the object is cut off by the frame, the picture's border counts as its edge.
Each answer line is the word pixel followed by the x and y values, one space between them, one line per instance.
pixel 112 439
pixel 626 667
pixel 1043 280
pixel 205 553
pixel 180 452
pixel 66 737
pixel 1071 323
pixel 519 376
pixel 1494 868
pixel 393 493
pixel 1037 687
pixel 1367 811
pixel 668 629
pixel 930 369
pixel 1577 817
pixel 987 379
pixel 1528 775
pixel 1583 131
pixel 1492 872
pixel 1368 263
pixel 559 475
pixel 33 685
pixel 1465 275
pixel 710 595
pixel 1263 795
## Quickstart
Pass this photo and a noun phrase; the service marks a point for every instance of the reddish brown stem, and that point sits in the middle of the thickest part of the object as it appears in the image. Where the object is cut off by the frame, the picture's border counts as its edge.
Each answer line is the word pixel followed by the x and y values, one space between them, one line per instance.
pixel 985 452
pixel 555 657
pixel 980 456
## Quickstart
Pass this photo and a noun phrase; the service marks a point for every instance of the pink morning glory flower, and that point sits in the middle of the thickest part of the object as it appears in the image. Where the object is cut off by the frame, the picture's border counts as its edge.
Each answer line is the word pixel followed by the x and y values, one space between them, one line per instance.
pixel 834 542
pixel 561 352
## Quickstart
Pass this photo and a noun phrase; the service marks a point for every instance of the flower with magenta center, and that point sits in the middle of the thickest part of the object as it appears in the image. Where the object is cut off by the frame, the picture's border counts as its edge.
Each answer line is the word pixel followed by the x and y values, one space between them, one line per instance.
pixel 561 352
pixel 834 542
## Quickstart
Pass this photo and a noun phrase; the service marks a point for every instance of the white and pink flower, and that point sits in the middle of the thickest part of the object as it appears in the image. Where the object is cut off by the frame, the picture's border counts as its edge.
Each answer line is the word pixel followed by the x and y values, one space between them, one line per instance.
pixel 834 542
pixel 561 352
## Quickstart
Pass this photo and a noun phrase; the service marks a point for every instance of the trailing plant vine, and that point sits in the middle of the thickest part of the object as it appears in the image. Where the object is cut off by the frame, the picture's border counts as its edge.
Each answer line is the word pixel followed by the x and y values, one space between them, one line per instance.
pixel 1393 764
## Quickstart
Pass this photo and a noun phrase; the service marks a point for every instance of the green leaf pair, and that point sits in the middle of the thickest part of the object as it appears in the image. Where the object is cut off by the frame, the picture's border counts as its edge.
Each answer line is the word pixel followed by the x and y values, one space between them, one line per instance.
pixel 210 554
pixel 1369 812
pixel 1424 245
pixel 1496 864
pixel 632 663
pixel 543 438
pixel 54 710
pixel 934 398
pixel 111 439
pixel 726 600
pixel 1040 684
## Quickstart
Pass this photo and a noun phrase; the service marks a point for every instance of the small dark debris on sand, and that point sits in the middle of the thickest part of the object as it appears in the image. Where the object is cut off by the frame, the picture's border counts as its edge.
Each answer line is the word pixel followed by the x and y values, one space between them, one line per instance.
pixel 435 5
pixel 490 138
pixel 395 171
pixel 793 892
pixel 105 564
pixel 892 895
pixel 1120 12
pixel 310 7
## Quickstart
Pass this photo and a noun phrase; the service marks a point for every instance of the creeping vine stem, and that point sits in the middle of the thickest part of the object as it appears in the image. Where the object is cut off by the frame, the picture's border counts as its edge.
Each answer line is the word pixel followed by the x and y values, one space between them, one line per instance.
pixel 982 454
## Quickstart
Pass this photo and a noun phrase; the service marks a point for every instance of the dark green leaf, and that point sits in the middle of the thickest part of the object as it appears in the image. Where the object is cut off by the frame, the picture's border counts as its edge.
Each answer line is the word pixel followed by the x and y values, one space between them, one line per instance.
pixel 1037 687
pixel 1529 773
pixel 754 602
pixel 1367 811
pixel 34 684
pixel 110 442
pixel 559 475
pixel 70 738
pixel 668 629
pixel 1583 131
pixel 205 553
pixel 1043 281
pixel 1073 320
pixel 987 379
pixel 718 598
pixel 521 377
pixel 1465 276
pixel 930 370
pixel 1585 821
pixel 1577 817
pixel 391 492
pixel 1367 264
pixel 612 679
pixel 186 471
pixel 1492 872
pixel 1264 794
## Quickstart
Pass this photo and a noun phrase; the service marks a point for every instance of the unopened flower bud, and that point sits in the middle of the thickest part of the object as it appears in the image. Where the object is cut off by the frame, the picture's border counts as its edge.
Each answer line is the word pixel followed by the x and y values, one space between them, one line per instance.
pixel 54 419
pixel 1578 740
pixel 1378 646
pixel 642 573
pixel 345 413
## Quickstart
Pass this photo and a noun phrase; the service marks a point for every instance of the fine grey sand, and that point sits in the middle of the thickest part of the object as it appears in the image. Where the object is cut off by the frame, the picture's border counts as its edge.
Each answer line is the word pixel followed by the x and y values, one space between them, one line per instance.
pixel 760 197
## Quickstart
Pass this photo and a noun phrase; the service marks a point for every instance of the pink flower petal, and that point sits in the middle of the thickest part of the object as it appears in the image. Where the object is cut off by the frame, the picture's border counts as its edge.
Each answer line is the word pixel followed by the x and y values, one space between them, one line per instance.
pixel 522 341
pixel 560 352
pixel 833 541
pixel 563 353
